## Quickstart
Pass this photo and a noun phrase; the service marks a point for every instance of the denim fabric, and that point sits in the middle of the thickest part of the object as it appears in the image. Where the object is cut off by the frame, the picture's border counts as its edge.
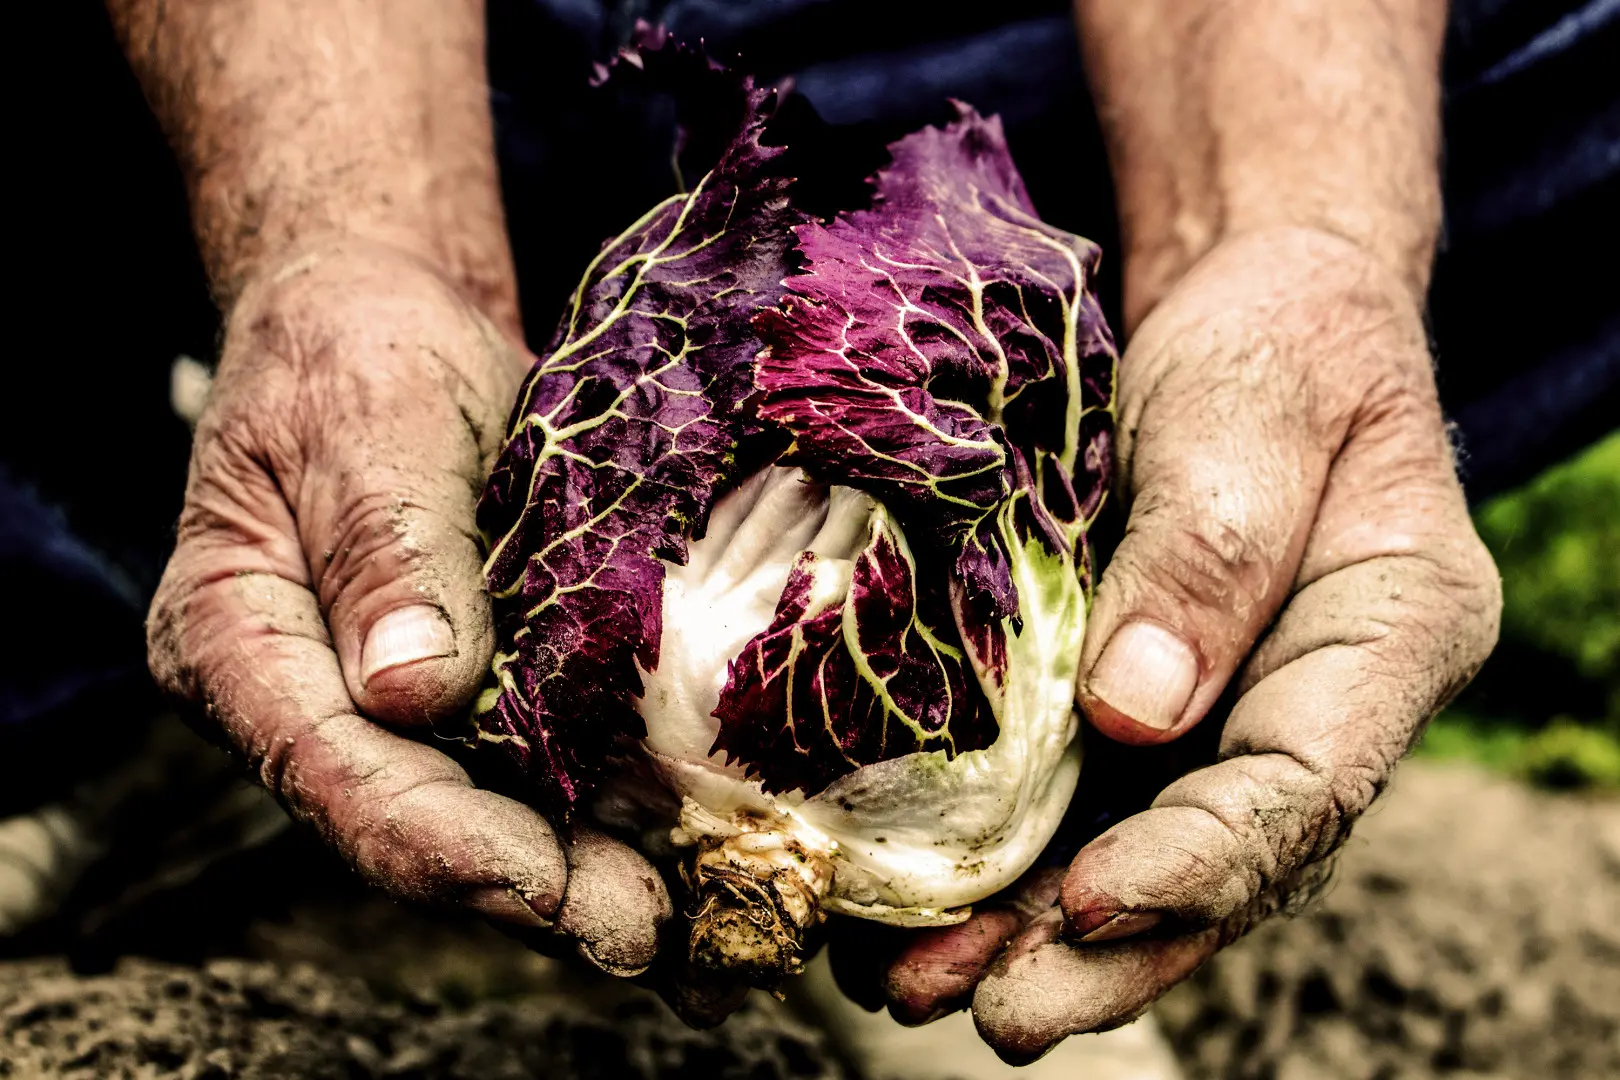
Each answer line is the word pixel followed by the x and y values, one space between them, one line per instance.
pixel 92 460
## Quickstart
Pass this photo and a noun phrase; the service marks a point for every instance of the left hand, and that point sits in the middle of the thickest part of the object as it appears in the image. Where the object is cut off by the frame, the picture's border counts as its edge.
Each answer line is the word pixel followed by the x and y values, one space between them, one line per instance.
pixel 1295 524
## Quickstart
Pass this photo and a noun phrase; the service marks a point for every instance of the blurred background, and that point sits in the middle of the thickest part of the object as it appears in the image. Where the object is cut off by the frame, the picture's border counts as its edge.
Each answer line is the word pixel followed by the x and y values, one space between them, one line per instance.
pixel 1546 709
pixel 157 919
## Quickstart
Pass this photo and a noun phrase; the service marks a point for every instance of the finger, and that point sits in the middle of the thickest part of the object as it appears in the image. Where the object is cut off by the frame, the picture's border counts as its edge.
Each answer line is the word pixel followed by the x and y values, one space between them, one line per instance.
pixel 1043 990
pixel 859 953
pixel 231 633
pixel 1390 622
pixel 702 997
pixel 1226 441
pixel 935 975
pixel 615 905
pixel 397 411
pixel 937 970
pixel 1307 748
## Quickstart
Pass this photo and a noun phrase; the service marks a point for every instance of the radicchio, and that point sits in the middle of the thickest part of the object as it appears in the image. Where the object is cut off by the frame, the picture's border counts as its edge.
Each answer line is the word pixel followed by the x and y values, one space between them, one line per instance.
pixel 941 351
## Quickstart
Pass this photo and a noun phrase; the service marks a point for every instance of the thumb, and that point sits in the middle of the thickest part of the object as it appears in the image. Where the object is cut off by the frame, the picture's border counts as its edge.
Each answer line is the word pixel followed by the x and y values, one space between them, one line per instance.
pixel 403 594
pixel 387 512
pixel 1221 484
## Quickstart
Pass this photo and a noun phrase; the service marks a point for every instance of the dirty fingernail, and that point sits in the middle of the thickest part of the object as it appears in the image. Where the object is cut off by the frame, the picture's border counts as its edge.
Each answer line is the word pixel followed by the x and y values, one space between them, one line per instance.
pixel 1147 673
pixel 506 905
pixel 604 958
pixel 1124 925
pixel 403 637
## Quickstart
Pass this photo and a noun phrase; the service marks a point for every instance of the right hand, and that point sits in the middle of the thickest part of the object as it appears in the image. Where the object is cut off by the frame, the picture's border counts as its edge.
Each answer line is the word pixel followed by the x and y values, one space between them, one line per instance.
pixel 1297 537
pixel 326 587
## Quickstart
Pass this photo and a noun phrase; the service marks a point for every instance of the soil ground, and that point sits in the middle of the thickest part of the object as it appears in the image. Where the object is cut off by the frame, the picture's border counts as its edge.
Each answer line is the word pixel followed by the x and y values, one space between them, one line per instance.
pixel 1472 930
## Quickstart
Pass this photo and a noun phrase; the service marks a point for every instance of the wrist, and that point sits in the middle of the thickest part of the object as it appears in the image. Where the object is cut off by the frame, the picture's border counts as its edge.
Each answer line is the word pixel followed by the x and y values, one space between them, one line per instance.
pixel 317 282
pixel 1223 119
pixel 254 217
pixel 295 120
pixel 1400 251
pixel 1293 277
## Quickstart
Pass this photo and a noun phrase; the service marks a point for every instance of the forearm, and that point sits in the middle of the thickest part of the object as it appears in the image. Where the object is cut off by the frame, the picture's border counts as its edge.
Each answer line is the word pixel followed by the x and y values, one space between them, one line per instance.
pixel 1224 117
pixel 300 120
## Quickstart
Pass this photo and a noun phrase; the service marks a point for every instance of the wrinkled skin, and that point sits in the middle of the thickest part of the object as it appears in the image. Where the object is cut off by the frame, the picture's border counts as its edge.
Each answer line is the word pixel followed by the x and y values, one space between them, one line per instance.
pixel 1295 519
pixel 358 405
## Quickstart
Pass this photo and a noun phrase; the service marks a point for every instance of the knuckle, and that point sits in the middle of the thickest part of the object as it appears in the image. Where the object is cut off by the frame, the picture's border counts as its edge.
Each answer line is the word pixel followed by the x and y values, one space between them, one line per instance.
pixel 1448 615
pixel 378 840
pixel 278 758
pixel 1201 560
pixel 1357 782
pixel 370 530
pixel 1479 594
pixel 273 761
pixel 1325 800
pixel 1223 562
pixel 1422 618
pixel 1292 895
pixel 1278 812
pixel 166 655
pixel 373 818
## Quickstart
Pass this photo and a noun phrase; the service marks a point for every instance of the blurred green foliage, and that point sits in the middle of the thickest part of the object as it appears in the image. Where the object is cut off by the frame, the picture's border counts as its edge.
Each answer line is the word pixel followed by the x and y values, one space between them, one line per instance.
pixel 1557 542
pixel 1564 754
pixel 1547 705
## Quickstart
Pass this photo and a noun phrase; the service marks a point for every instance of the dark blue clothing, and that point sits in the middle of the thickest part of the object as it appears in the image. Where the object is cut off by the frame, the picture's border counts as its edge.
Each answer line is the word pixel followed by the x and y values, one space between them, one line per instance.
pixel 1525 321
pixel 1524 308
pixel 73 688
pixel 64 594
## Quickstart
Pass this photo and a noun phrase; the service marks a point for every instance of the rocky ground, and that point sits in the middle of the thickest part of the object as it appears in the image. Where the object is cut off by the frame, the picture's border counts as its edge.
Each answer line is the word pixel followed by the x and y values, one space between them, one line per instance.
pixel 1472 931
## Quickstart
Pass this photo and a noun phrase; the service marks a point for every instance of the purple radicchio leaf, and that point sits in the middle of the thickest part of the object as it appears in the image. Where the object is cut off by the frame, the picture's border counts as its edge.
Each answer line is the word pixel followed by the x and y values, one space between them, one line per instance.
pixel 944 352
pixel 937 335
pixel 859 664
pixel 622 436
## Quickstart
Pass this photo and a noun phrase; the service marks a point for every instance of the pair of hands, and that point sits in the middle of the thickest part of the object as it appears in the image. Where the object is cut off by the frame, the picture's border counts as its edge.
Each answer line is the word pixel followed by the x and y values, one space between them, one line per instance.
pixel 1296 530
